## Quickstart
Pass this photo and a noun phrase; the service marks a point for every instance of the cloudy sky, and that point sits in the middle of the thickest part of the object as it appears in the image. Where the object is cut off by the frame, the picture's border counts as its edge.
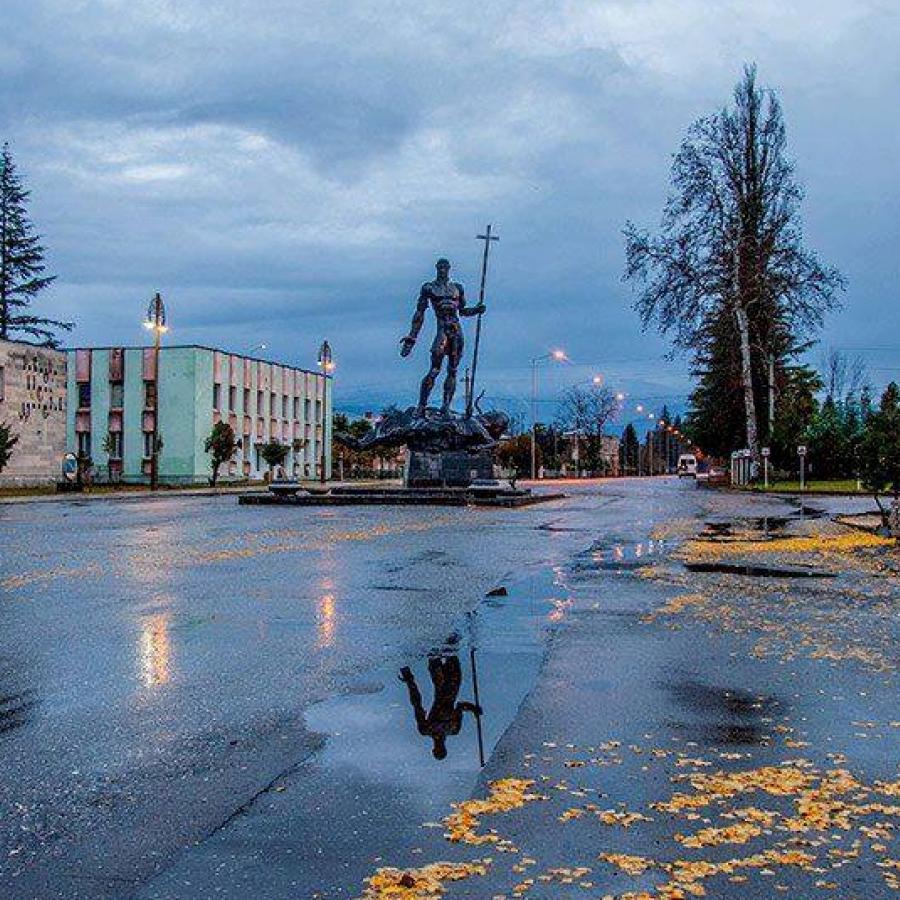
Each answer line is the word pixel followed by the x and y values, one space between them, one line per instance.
pixel 285 171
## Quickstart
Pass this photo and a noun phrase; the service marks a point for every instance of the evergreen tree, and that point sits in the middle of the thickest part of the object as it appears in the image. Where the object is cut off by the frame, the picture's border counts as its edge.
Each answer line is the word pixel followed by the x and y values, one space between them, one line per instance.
pixel 8 440
pixel 880 450
pixel 21 261
pixel 629 448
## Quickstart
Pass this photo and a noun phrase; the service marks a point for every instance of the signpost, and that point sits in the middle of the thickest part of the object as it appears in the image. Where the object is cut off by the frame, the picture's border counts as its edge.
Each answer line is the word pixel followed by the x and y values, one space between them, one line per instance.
pixel 801 452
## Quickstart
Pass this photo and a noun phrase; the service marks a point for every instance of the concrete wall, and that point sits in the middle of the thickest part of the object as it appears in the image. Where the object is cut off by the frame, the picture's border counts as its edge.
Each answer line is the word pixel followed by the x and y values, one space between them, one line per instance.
pixel 33 403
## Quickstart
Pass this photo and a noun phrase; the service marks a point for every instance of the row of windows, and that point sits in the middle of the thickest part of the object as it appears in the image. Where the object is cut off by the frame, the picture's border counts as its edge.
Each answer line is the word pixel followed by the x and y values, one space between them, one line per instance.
pixel 289 406
pixel 116 395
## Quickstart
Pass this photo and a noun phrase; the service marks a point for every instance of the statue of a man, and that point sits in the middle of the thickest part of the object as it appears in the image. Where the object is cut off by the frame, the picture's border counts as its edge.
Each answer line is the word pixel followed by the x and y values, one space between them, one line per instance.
pixel 448 300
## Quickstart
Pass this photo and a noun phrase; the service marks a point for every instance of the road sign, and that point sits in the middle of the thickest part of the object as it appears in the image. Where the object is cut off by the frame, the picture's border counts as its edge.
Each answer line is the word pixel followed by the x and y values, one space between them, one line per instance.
pixel 801 450
pixel 766 451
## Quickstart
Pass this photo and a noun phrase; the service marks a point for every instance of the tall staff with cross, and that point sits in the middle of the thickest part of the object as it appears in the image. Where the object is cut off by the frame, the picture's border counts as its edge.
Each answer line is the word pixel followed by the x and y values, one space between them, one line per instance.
pixel 487 237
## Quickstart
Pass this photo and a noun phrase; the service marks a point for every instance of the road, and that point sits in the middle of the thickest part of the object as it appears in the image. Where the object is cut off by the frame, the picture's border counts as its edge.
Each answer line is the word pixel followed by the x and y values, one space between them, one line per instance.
pixel 202 700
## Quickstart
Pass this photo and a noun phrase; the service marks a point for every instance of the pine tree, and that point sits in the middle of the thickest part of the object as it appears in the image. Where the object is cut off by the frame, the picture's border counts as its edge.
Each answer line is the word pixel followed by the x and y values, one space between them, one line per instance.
pixel 629 448
pixel 21 261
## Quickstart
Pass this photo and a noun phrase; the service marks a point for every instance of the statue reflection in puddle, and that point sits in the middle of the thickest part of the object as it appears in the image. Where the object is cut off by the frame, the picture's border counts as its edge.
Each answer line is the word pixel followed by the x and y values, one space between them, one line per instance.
pixel 445 717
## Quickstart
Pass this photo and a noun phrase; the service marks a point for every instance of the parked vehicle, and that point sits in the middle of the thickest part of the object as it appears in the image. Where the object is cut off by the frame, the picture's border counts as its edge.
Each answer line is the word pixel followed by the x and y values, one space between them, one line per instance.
pixel 687 465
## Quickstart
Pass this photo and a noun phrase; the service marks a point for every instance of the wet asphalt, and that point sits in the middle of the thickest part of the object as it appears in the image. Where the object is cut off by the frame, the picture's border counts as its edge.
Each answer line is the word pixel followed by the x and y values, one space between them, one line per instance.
pixel 203 700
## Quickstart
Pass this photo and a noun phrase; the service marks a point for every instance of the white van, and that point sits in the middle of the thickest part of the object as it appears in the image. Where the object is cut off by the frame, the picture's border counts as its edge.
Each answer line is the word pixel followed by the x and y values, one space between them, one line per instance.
pixel 687 465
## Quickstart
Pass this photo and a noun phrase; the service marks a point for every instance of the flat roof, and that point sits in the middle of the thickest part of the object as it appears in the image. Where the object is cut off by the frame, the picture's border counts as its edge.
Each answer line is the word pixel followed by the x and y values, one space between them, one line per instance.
pixel 270 362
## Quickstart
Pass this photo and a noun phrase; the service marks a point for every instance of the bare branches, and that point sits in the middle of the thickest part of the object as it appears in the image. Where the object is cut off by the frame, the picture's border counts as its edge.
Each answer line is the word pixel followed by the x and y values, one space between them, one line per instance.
pixel 730 245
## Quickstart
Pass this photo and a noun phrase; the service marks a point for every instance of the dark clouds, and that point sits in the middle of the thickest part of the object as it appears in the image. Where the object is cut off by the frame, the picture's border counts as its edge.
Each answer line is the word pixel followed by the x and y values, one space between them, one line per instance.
pixel 289 170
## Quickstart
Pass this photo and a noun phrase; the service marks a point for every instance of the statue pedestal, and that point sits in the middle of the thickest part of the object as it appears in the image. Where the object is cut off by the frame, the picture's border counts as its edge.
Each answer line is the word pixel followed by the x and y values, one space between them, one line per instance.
pixel 446 468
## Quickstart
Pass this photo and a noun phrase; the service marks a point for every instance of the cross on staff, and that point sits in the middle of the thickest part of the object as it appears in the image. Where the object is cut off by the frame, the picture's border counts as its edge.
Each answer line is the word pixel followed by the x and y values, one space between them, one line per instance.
pixel 487 237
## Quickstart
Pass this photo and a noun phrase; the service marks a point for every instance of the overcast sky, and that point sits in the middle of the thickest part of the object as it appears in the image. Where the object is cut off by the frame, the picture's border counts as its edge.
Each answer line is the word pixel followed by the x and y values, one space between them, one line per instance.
pixel 285 171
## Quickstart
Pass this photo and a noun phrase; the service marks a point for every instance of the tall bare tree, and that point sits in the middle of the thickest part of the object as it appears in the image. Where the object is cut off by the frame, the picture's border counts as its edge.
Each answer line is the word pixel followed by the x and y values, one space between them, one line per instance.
pixel 730 248
pixel 586 411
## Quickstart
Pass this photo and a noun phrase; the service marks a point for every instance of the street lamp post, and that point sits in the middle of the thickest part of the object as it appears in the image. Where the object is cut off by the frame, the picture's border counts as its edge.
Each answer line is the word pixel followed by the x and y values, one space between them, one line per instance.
pixel 326 364
pixel 156 322
pixel 559 356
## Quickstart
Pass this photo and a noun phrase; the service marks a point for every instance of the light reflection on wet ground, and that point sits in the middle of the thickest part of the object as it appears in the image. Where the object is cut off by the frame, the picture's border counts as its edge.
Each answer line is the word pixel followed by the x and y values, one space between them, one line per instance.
pixel 175 661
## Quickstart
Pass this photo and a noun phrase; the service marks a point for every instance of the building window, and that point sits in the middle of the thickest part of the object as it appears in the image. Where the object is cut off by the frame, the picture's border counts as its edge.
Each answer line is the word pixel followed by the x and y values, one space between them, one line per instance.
pixel 296 407
pixel 246 401
pixel 232 398
pixel 217 396
pixel 116 395
pixel 272 402
pixel 284 407
pixel 115 445
pixel 148 444
pixel 84 394
pixel 149 395
pixel 307 408
pixel 84 443
pixel 2 383
pixel 259 403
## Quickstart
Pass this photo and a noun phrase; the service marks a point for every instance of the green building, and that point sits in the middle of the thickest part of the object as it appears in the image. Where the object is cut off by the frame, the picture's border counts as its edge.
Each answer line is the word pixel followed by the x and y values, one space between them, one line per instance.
pixel 115 393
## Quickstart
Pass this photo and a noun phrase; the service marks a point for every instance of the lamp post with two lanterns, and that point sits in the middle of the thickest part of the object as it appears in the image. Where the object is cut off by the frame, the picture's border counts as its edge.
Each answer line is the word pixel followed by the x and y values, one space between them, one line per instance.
pixel 326 364
pixel 155 322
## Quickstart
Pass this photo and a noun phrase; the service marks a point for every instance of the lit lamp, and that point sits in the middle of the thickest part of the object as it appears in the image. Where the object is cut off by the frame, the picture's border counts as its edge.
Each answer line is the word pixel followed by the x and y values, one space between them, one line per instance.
pixel 326 364
pixel 556 356
pixel 156 322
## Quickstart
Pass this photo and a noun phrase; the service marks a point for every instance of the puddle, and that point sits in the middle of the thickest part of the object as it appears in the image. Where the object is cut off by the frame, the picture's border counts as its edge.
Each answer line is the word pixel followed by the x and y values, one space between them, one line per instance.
pixel 758 571
pixel 429 728
pixel 767 525
pixel 723 715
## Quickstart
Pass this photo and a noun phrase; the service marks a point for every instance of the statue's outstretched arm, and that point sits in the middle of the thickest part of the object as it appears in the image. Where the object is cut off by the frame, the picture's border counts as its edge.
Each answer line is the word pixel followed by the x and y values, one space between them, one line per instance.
pixel 418 319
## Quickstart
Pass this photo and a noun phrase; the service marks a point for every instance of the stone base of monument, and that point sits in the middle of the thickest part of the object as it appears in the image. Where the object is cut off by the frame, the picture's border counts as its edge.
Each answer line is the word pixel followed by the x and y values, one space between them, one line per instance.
pixel 479 492
pixel 447 468
pixel 400 496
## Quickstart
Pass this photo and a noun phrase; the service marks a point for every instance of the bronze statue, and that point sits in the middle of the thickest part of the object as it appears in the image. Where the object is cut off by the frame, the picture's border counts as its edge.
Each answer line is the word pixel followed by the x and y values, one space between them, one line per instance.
pixel 448 300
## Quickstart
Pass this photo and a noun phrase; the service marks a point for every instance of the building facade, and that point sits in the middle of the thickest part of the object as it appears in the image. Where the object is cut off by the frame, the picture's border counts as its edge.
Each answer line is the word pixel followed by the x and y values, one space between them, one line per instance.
pixel 116 393
pixel 33 405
